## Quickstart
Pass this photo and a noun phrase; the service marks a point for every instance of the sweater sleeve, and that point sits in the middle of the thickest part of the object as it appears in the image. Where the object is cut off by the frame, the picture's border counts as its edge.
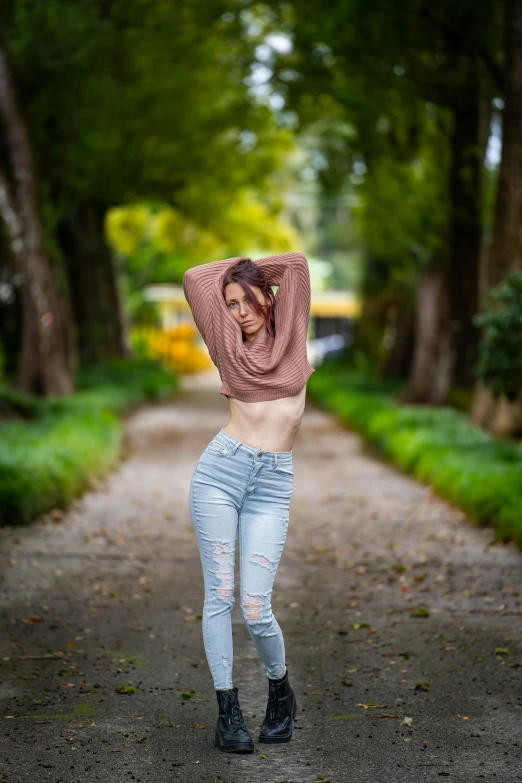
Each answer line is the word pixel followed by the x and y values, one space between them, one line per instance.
pixel 288 271
pixel 291 273
pixel 199 287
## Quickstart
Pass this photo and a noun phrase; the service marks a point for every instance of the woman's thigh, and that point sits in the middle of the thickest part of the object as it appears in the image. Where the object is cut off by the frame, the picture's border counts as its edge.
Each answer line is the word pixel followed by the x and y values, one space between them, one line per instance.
pixel 213 508
pixel 263 527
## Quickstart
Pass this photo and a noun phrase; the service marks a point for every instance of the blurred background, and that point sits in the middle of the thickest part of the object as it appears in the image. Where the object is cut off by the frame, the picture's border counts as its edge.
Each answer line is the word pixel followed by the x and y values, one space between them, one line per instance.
pixel 384 140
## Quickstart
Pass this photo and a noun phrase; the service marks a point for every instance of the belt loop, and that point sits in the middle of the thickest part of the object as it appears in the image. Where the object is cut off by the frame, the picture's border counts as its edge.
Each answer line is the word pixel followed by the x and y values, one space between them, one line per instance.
pixel 275 461
pixel 235 447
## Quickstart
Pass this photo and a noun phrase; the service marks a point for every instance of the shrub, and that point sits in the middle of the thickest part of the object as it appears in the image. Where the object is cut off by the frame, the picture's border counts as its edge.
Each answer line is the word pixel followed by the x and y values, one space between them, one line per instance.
pixel 51 449
pixel 500 350
pixel 464 464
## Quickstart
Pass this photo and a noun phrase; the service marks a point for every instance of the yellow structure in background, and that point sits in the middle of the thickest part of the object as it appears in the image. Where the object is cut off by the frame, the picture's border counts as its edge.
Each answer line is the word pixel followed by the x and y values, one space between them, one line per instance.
pixel 175 310
pixel 177 347
pixel 178 343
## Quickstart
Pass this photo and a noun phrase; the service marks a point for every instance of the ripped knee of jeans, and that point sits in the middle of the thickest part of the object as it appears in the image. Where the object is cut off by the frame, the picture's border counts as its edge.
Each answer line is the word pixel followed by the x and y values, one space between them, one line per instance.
pixel 263 561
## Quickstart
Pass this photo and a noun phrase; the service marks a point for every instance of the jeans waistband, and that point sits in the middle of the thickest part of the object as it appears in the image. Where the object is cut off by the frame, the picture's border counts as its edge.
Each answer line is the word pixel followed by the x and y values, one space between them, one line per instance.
pixel 235 445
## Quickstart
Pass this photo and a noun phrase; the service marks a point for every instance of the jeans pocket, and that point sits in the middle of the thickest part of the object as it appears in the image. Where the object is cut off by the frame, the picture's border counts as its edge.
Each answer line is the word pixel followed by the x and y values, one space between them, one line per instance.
pixel 285 470
pixel 216 449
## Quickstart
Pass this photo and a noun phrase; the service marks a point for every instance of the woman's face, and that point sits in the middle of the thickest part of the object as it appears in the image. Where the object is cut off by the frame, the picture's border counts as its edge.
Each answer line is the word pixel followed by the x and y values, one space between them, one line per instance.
pixel 236 301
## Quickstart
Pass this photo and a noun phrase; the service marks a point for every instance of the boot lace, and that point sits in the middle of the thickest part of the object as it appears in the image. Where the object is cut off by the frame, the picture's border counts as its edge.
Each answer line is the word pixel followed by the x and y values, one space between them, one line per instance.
pixel 275 707
pixel 235 717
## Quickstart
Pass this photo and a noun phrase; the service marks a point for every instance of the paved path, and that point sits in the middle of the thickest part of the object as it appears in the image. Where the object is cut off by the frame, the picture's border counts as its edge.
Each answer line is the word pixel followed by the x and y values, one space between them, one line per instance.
pixel 111 593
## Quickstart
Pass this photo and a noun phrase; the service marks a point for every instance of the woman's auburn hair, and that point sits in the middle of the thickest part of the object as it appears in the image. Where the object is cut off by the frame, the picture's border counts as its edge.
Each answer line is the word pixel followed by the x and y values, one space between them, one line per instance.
pixel 247 274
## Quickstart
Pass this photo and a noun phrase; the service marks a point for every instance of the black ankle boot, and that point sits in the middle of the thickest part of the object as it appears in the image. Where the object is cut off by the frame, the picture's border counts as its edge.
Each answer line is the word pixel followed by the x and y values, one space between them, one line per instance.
pixel 231 733
pixel 280 710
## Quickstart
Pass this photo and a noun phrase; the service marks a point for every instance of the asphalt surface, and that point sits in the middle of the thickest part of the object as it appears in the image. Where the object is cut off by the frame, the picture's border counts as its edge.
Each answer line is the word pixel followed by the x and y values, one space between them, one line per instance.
pixel 109 595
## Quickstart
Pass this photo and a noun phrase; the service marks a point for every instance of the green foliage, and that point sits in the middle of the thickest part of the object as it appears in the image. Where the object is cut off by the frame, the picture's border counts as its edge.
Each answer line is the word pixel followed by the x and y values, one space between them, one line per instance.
pixel 122 383
pixel 15 404
pixel 147 104
pixel 47 461
pixel 157 243
pixel 43 465
pixel 401 214
pixel 464 464
pixel 393 73
pixel 500 350
pixel 141 101
pixel 2 360
pixel 140 311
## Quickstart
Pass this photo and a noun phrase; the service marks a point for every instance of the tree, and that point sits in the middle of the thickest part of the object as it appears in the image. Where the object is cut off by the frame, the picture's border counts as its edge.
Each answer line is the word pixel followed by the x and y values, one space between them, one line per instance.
pixel 500 414
pixel 142 102
pixel 145 101
pixel 385 65
pixel 45 366
pixel 506 252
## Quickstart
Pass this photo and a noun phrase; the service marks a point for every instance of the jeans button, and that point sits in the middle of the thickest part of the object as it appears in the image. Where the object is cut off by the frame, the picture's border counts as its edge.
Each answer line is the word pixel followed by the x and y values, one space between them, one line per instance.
pixel 259 453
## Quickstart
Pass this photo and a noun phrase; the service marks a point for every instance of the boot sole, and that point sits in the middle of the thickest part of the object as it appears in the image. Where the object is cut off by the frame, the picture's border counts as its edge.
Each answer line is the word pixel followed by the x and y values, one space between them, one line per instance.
pixel 233 747
pixel 282 737
pixel 275 740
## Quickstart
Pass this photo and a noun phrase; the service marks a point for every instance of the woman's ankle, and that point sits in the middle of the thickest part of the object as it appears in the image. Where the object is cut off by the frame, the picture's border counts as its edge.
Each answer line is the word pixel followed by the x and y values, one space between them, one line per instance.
pixel 279 679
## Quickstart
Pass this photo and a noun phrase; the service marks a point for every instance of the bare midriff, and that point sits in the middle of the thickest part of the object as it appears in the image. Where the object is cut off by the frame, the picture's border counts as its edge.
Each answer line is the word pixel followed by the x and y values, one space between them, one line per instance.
pixel 271 425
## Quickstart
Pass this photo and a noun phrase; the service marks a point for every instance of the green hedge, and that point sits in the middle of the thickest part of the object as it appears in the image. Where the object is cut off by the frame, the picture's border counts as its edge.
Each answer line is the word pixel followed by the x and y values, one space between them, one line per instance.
pixel 52 449
pixel 465 465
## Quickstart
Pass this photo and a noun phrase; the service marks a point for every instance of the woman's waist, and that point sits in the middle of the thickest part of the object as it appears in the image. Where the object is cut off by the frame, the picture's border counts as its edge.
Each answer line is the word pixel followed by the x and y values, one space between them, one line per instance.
pixel 280 442
pixel 271 425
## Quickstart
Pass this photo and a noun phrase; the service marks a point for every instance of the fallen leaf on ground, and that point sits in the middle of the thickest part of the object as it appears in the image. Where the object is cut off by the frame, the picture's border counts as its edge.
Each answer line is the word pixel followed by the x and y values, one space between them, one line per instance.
pixel 372 704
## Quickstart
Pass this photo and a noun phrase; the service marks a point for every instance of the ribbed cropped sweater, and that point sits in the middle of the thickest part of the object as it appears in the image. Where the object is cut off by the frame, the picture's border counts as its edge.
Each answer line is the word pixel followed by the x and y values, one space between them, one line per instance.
pixel 265 368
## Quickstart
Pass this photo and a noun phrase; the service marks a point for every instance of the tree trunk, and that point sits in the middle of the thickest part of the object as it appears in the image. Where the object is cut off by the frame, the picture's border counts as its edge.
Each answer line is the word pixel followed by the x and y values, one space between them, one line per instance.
pixel 29 375
pixel 93 283
pixel 398 361
pixel 506 251
pixel 500 416
pixel 368 334
pixel 465 231
pixel 44 368
pixel 431 366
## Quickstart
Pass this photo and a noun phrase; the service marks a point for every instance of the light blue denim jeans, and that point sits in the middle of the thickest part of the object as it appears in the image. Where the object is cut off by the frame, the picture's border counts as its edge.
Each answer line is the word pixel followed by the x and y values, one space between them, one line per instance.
pixel 237 488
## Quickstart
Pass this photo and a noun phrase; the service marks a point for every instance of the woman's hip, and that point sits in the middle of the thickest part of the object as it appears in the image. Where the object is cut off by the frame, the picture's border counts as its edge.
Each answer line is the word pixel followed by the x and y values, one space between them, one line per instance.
pixel 228 463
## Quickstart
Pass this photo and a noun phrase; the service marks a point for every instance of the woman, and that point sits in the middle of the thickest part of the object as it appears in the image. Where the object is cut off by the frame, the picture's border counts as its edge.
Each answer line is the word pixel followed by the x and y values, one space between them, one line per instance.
pixel 244 478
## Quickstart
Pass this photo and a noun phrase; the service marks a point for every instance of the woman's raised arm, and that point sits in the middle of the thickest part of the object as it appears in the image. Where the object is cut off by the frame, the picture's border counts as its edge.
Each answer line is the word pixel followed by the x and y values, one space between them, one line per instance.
pixel 288 271
pixel 200 292
pixel 291 273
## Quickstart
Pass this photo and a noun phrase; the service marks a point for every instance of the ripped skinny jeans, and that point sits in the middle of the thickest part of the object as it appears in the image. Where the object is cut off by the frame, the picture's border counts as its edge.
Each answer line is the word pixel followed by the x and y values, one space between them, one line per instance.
pixel 237 488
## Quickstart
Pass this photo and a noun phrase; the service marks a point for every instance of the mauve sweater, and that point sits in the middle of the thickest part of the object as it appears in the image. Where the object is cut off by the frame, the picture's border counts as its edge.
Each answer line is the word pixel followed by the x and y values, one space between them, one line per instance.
pixel 266 368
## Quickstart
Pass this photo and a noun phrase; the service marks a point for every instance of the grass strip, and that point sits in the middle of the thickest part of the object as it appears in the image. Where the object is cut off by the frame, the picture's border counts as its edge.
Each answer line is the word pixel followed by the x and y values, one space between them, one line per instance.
pixel 464 464
pixel 52 449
